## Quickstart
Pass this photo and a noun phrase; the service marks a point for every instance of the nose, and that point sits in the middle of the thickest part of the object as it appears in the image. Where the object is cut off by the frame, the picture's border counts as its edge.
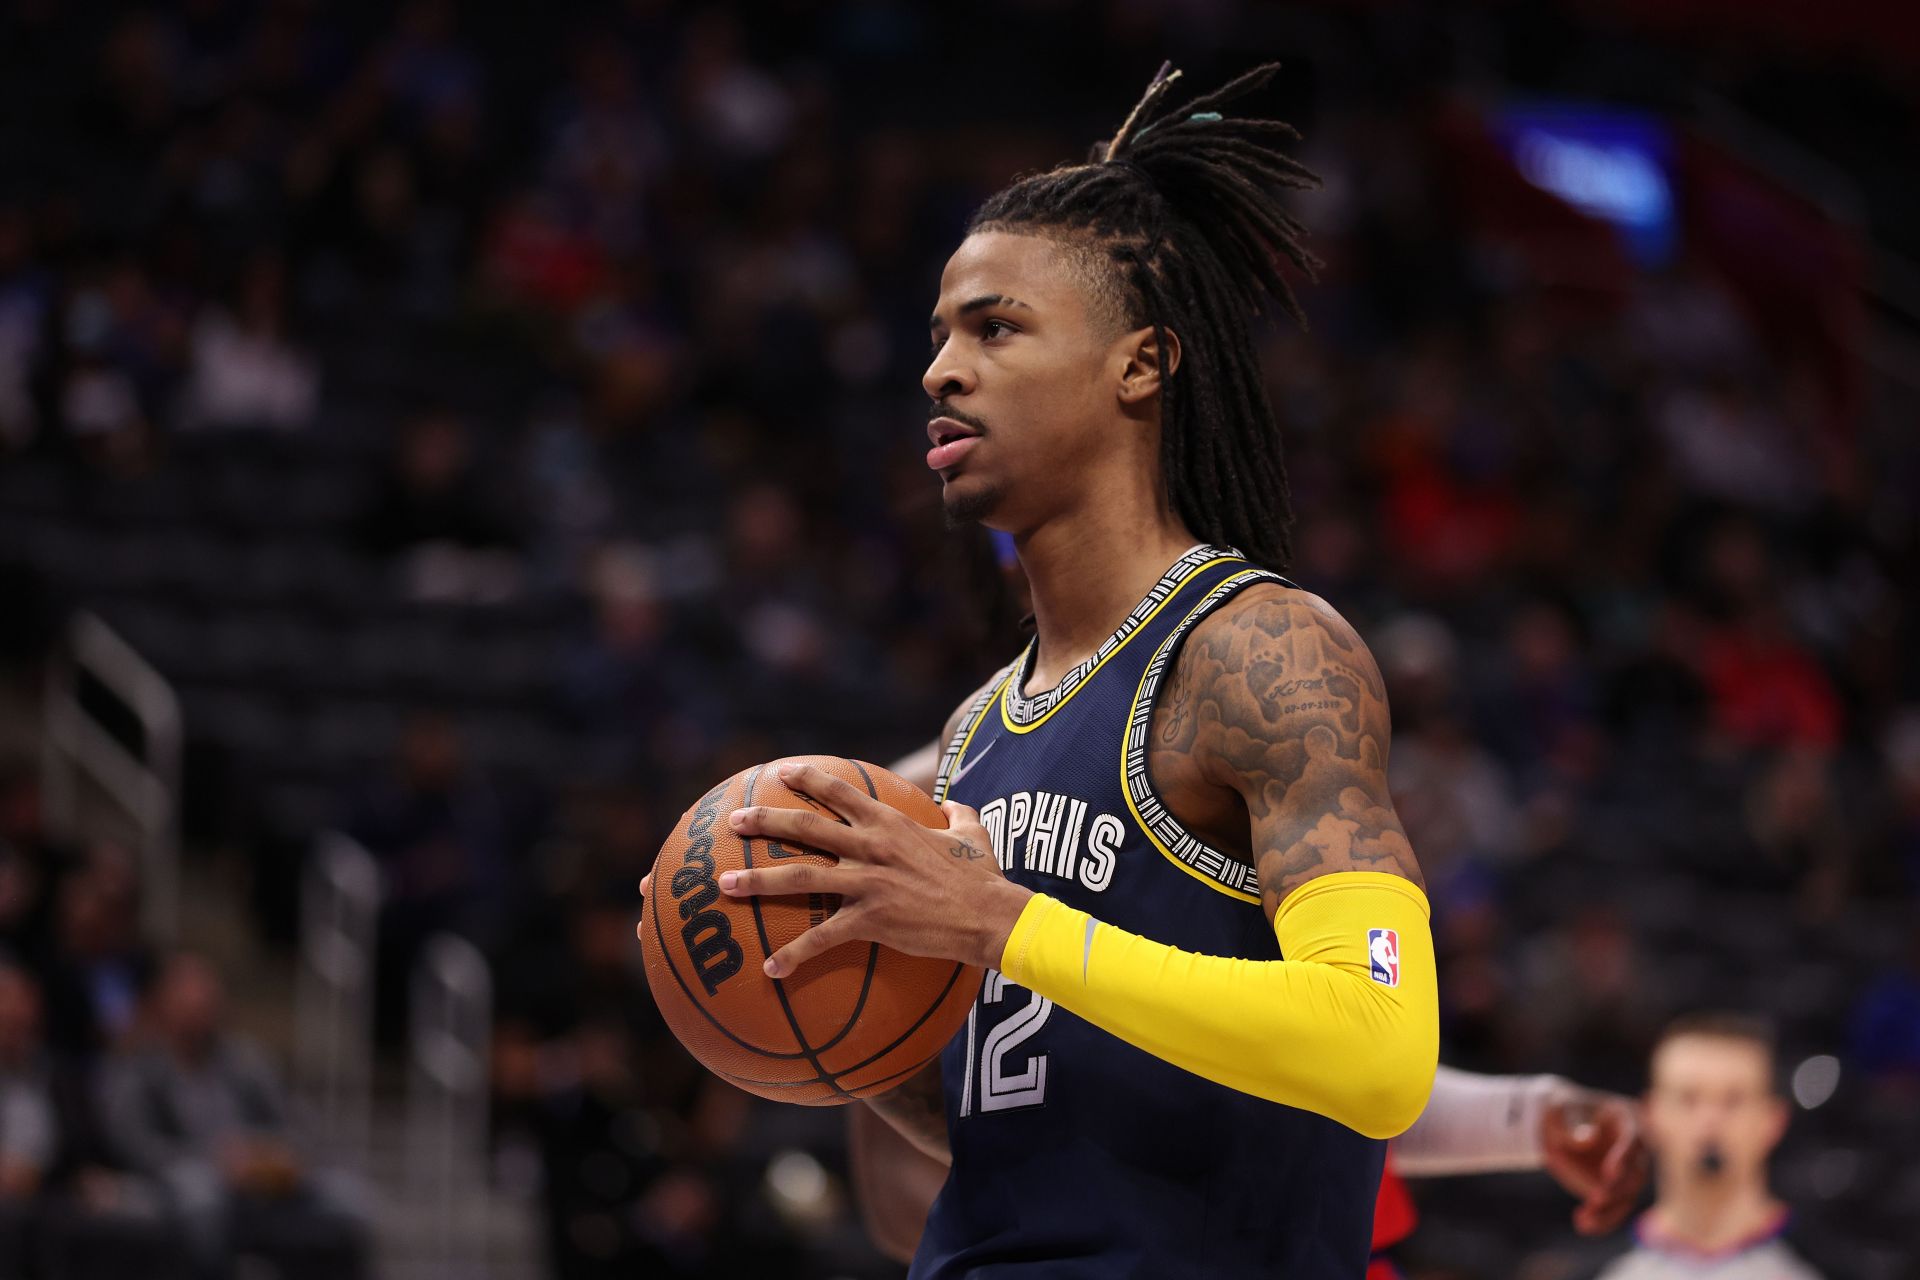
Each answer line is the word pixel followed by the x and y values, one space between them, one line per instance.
pixel 948 375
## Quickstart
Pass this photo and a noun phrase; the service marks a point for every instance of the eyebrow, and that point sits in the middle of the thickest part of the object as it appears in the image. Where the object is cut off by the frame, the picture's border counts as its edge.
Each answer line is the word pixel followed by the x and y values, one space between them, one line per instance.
pixel 980 303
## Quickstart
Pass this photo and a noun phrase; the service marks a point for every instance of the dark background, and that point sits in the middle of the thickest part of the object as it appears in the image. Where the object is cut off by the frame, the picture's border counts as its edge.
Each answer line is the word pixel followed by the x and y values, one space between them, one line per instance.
pixel 500 423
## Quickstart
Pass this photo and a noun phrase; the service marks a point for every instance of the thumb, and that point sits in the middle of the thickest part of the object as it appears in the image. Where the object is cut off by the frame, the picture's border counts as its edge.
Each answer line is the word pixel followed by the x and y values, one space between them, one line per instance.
pixel 959 814
pixel 1574 1127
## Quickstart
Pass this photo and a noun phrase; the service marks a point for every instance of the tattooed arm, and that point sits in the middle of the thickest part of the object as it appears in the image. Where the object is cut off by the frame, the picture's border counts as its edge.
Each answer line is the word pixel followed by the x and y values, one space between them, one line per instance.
pixel 894 1183
pixel 917 1111
pixel 1276 699
pixel 898 1152
pixel 1294 720
pixel 1273 737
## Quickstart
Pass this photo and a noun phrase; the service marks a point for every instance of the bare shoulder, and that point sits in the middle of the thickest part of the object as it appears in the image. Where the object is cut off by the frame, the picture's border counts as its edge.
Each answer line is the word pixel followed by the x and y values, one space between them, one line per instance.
pixel 922 767
pixel 1272 654
pixel 1287 644
pixel 1277 697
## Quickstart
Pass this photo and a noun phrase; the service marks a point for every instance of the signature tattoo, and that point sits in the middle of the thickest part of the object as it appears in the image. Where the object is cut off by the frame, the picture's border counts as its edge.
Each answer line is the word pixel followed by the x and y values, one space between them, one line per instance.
pixel 1312 771
pixel 965 848
pixel 1176 707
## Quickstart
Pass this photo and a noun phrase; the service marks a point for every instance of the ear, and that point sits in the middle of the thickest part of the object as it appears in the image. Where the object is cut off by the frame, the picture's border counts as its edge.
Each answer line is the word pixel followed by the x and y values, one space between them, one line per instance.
pixel 1143 363
pixel 1778 1117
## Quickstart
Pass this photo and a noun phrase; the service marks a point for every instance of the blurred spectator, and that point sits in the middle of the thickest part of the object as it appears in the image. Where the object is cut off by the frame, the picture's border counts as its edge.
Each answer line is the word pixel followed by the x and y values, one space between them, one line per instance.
pixel 433 515
pixel 1767 687
pixel 1454 798
pixel 613 677
pixel 1734 446
pixel 31 868
pixel 443 841
pixel 729 103
pixel 1902 752
pixel 1538 707
pixel 570 494
pixel 642 689
pixel 58 1197
pixel 534 258
pixel 199 1109
pixel 245 373
pixel 24 305
pixel 28 1132
pixel 100 405
pixel 100 964
pixel 606 148
pixel 433 493
pixel 1588 1000
pixel 600 1120
pixel 1449 508
pixel 425 63
pixel 1884 1035
pixel 1476 982
pixel 1802 832
pixel 1683 318
pixel 786 627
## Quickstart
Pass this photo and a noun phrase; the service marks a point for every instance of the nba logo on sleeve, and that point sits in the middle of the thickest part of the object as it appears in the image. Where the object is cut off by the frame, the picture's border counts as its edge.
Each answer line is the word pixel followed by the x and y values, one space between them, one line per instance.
pixel 1383 956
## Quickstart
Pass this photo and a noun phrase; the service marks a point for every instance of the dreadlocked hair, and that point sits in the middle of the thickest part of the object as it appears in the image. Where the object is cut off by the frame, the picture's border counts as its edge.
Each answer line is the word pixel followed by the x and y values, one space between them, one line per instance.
pixel 1180 211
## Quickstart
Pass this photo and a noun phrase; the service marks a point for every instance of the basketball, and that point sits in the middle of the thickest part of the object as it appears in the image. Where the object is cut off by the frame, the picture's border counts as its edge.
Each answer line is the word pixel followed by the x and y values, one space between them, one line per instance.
pixel 856 1020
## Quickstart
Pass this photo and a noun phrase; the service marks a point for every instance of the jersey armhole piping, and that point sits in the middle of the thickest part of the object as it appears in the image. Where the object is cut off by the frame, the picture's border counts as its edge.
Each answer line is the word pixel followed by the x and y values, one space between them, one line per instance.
pixel 1217 870
pixel 975 715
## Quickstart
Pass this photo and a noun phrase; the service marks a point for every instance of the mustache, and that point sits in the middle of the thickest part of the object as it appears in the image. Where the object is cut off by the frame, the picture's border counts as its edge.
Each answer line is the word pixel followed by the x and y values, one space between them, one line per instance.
pixel 964 419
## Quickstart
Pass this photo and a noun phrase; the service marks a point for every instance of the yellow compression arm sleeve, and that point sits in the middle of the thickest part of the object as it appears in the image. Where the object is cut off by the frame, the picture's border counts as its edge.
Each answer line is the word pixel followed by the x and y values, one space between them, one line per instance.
pixel 1317 1030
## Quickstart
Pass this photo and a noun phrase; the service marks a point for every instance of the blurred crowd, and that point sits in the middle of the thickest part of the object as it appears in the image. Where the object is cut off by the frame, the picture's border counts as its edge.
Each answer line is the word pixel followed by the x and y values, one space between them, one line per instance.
pixel 139 1131
pixel 499 427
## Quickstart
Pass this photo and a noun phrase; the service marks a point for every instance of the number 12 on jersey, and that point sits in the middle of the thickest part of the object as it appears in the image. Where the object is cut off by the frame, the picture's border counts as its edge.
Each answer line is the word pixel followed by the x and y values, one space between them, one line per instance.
pixel 1004 1082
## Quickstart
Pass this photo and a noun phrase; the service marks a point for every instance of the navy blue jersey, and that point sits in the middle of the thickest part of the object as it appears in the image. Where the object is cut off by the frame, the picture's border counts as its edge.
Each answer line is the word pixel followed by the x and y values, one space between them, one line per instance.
pixel 1074 1153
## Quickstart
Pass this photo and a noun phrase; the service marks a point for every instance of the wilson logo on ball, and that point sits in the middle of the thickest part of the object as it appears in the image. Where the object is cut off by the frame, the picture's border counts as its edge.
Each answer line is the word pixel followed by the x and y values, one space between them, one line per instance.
pixel 707 933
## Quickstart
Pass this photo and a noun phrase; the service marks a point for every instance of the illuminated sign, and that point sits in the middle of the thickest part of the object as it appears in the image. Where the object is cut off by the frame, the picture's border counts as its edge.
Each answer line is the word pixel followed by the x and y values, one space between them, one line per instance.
pixel 1610 164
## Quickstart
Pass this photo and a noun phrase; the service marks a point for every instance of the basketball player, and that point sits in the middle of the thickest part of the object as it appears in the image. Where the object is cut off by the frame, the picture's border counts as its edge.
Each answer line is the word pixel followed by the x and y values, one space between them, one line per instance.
pixel 1170 839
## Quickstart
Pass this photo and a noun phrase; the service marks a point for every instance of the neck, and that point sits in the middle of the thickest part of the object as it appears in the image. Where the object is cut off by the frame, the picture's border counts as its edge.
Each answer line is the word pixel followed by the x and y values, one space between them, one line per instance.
pixel 1087 568
pixel 1710 1216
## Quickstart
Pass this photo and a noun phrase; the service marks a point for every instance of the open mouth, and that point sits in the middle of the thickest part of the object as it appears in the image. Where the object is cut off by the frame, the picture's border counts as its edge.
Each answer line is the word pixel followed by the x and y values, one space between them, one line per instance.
pixel 951 442
pixel 945 431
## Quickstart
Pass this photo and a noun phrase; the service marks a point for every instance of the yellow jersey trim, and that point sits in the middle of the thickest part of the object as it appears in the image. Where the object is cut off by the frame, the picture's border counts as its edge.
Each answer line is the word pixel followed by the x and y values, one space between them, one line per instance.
pixel 1132 628
pixel 947 771
pixel 1226 587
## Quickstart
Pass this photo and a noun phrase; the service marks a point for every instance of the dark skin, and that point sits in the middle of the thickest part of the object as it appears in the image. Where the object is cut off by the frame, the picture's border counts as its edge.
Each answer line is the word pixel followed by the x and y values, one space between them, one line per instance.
pixel 1275 727
pixel 1271 739
pixel 1271 736
pixel 1274 722
pixel 1064 401
pixel 1593 1146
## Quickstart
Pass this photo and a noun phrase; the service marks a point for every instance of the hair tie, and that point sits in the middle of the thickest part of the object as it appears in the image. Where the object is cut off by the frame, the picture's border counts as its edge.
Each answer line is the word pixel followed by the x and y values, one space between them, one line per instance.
pixel 1198 117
